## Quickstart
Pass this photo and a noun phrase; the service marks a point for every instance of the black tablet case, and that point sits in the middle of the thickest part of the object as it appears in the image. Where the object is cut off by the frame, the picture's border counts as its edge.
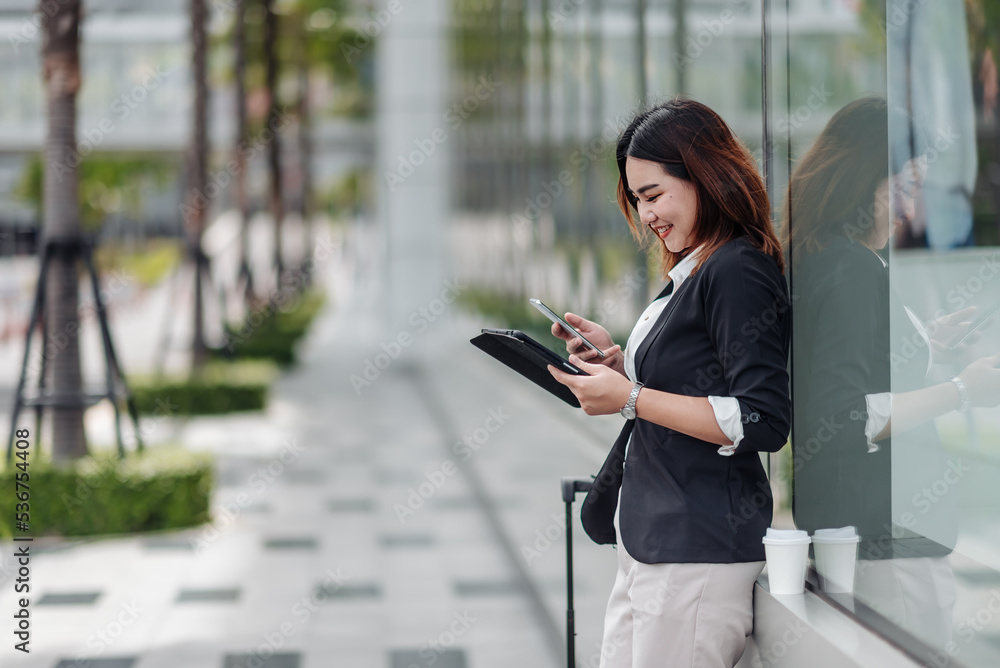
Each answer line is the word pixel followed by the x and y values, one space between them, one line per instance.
pixel 526 359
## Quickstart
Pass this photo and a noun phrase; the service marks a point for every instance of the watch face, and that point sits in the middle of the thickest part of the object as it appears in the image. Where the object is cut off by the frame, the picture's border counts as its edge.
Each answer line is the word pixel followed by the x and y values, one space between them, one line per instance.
pixel 628 413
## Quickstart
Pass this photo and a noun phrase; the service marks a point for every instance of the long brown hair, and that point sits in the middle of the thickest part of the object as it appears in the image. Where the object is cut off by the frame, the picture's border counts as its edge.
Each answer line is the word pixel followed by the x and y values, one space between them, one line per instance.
pixel 832 190
pixel 692 142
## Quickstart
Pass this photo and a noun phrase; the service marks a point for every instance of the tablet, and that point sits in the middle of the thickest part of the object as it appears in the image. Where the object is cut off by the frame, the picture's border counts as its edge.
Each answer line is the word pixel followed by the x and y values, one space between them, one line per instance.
pixel 529 358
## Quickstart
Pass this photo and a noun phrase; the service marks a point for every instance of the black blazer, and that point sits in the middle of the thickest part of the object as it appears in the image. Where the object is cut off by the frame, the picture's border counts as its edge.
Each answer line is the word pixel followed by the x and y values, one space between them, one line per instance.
pixel 725 333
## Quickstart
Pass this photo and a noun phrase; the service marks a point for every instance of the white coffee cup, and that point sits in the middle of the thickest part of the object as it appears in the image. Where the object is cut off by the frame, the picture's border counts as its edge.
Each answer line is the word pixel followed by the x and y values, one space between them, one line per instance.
pixel 787 552
pixel 836 552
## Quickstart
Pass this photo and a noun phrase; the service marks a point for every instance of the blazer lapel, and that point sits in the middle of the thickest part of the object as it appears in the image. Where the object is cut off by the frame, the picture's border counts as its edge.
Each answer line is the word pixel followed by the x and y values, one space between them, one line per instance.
pixel 640 353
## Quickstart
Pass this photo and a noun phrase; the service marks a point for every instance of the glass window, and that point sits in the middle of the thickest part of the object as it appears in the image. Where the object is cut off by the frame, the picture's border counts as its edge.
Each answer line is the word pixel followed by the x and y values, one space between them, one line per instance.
pixel 888 131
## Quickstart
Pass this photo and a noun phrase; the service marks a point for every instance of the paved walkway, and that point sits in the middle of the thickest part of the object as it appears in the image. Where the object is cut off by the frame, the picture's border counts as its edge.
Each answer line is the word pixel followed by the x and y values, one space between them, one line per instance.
pixel 416 523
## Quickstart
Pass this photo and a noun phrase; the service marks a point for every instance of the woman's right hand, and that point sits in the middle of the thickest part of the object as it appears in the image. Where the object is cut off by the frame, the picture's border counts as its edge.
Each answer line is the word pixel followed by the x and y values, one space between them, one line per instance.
pixel 613 356
pixel 982 378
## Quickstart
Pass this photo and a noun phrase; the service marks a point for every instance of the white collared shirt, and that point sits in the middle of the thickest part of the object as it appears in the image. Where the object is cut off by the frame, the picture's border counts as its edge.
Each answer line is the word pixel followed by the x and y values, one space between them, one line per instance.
pixel 727 409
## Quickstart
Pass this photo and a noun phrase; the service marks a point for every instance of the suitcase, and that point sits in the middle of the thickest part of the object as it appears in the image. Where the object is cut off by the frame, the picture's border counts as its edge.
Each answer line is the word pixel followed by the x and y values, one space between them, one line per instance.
pixel 570 488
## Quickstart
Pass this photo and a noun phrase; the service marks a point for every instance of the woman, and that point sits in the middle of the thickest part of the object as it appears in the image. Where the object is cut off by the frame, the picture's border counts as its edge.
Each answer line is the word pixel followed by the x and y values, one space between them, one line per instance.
pixel 703 385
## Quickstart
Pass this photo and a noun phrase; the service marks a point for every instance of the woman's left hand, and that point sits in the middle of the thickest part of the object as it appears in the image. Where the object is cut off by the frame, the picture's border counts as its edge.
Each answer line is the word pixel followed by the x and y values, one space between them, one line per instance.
pixel 603 392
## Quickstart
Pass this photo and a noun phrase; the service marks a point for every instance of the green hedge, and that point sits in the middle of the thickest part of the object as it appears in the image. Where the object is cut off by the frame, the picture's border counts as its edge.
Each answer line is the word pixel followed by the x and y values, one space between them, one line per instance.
pixel 160 488
pixel 507 312
pixel 504 311
pixel 273 334
pixel 221 387
pixel 147 266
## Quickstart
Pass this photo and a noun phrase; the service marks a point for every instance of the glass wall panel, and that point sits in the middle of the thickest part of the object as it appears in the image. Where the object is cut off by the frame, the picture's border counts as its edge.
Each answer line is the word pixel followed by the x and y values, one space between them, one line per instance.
pixel 888 129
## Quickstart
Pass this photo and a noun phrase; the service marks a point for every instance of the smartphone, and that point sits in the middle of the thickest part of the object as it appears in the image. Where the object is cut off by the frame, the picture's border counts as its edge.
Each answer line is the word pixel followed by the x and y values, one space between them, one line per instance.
pixel 975 327
pixel 551 315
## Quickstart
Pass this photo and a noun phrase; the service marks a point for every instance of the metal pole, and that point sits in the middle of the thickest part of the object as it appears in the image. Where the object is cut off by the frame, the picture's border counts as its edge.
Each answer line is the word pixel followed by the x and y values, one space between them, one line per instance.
pixel 680 36
pixel 640 17
pixel 570 622
pixel 113 369
pixel 639 299
pixel 36 310
pixel 765 59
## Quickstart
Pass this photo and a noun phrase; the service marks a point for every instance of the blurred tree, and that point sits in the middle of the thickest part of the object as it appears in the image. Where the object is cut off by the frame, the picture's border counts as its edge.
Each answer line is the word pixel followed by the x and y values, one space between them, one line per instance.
pixel 239 179
pixel 305 133
pixel 196 204
pixel 275 191
pixel 329 43
pixel 61 222
pixel 338 48
pixel 323 42
pixel 310 36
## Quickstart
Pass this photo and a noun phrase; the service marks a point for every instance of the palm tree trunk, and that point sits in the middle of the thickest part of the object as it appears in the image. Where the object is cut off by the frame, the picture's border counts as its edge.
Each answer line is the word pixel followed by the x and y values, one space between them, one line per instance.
pixel 305 149
pixel 61 220
pixel 197 173
pixel 274 148
pixel 239 181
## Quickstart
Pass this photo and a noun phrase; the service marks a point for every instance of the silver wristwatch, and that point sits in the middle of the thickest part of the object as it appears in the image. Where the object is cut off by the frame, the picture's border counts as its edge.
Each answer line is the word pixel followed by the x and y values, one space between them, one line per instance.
pixel 628 410
pixel 963 394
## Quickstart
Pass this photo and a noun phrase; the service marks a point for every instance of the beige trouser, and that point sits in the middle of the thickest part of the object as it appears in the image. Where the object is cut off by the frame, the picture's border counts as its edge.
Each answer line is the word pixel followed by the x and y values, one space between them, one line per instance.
pixel 678 615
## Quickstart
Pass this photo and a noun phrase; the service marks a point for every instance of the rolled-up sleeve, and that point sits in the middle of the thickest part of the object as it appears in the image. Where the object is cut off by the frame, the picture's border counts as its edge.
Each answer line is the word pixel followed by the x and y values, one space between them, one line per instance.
pixel 727 414
pixel 748 318
pixel 879 411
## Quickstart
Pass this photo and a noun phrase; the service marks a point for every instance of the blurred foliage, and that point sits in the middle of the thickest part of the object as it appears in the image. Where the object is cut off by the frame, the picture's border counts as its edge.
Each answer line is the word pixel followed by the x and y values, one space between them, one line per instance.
pixel 613 259
pixel 958 437
pixel 328 33
pixel 347 194
pixel 271 333
pixel 159 488
pixel 784 475
pixel 109 184
pixel 488 35
pixel 983 17
pixel 984 223
pixel 148 266
pixel 503 311
pixel 872 15
pixel 219 387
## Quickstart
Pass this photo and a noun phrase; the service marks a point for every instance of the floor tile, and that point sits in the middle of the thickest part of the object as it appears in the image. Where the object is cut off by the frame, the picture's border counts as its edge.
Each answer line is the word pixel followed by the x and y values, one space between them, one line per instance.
pixel 256 661
pixel 77 598
pixel 208 595
pixel 407 658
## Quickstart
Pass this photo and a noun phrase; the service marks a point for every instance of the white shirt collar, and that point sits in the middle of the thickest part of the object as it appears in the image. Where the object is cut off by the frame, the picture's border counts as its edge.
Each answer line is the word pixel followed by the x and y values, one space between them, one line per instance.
pixel 683 269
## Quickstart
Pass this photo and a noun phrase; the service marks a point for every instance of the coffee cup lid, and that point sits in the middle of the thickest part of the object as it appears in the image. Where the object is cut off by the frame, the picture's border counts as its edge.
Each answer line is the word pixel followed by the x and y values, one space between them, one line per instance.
pixel 846 534
pixel 785 537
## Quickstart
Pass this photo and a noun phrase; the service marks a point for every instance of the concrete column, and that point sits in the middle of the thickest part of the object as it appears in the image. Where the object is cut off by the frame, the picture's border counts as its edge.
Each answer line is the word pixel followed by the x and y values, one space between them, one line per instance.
pixel 413 142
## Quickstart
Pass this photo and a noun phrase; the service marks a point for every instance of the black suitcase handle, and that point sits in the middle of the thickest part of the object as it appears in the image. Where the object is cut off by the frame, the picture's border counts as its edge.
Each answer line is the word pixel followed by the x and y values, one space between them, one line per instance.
pixel 571 486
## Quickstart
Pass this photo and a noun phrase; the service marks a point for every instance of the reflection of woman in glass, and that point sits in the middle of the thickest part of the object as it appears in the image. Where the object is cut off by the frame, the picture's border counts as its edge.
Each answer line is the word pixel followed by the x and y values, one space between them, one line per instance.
pixel 852 391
